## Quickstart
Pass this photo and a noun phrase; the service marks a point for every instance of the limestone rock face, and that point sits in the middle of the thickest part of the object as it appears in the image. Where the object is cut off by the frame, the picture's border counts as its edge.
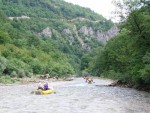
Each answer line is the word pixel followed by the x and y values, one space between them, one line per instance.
pixel 87 31
pixel 67 31
pixel 84 35
pixel 110 33
pixel 99 35
pixel 46 32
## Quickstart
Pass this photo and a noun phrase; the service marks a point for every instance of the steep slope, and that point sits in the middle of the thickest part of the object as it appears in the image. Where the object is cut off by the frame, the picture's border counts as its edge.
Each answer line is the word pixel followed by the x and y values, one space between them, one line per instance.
pixel 49 31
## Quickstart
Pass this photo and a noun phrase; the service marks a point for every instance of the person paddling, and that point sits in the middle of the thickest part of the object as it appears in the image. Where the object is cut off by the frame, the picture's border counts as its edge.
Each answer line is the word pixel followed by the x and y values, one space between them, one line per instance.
pixel 40 86
pixel 45 86
pixel 88 80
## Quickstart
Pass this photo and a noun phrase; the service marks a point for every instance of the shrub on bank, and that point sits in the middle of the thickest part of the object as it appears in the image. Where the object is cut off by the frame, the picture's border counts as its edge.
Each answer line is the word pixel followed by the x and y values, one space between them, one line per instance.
pixel 6 80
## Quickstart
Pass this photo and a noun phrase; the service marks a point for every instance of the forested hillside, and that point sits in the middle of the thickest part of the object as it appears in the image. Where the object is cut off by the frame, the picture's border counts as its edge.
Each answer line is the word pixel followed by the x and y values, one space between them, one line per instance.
pixel 127 56
pixel 48 36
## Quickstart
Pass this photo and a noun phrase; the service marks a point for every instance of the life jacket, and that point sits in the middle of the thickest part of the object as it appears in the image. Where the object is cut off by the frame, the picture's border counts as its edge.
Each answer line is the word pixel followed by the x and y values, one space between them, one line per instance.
pixel 46 86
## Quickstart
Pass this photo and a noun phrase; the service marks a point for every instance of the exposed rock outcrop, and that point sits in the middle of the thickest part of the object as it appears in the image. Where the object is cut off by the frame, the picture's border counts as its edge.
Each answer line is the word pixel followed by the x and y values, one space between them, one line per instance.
pixel 46 32
pixel 67 31
pixel 83 35
pixel 99 35
pixel 87 31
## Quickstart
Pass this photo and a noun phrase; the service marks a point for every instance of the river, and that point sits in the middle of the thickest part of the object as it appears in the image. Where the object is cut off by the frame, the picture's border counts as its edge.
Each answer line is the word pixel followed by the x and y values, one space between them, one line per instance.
pixel 74 97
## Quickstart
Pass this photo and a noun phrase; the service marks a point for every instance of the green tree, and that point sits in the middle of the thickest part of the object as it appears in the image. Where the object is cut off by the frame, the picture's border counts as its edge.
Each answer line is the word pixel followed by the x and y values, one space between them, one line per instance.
pixel 4 38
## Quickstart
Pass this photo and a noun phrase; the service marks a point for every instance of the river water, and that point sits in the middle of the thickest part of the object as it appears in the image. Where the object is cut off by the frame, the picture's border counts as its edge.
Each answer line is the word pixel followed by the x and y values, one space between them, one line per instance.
pixel 74 97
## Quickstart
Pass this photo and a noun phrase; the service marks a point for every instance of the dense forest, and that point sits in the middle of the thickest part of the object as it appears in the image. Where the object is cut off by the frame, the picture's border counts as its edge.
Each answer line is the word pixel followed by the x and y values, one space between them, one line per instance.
pixel 42 37
pixel 60 39
pixel 126 57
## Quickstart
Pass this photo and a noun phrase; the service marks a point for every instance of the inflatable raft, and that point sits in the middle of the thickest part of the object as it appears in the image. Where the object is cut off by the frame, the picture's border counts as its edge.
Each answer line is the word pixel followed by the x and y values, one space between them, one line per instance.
pixel 47 92
pixel 42 92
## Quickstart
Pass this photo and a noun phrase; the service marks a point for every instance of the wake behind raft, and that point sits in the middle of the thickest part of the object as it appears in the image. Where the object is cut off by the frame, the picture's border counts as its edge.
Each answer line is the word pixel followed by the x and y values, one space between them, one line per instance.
pixel 43 92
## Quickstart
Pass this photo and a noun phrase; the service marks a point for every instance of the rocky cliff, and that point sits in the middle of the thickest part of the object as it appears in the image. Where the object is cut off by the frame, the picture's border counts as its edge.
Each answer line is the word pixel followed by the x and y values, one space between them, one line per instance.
pixel 88 32
pixel 84 34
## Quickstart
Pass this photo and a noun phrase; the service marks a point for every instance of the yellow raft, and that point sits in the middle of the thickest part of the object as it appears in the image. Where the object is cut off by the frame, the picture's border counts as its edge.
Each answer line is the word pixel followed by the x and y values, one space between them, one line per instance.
pixel 47 92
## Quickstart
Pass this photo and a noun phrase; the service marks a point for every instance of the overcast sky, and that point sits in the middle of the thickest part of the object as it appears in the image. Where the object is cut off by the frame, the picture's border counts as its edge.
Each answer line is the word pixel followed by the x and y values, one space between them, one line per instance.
pixel 103 7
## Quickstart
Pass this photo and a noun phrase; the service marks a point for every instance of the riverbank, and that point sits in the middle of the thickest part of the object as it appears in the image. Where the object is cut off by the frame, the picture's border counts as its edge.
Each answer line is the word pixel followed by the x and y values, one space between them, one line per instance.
pixel 29 80
pixel 37 79
pixel 129 85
